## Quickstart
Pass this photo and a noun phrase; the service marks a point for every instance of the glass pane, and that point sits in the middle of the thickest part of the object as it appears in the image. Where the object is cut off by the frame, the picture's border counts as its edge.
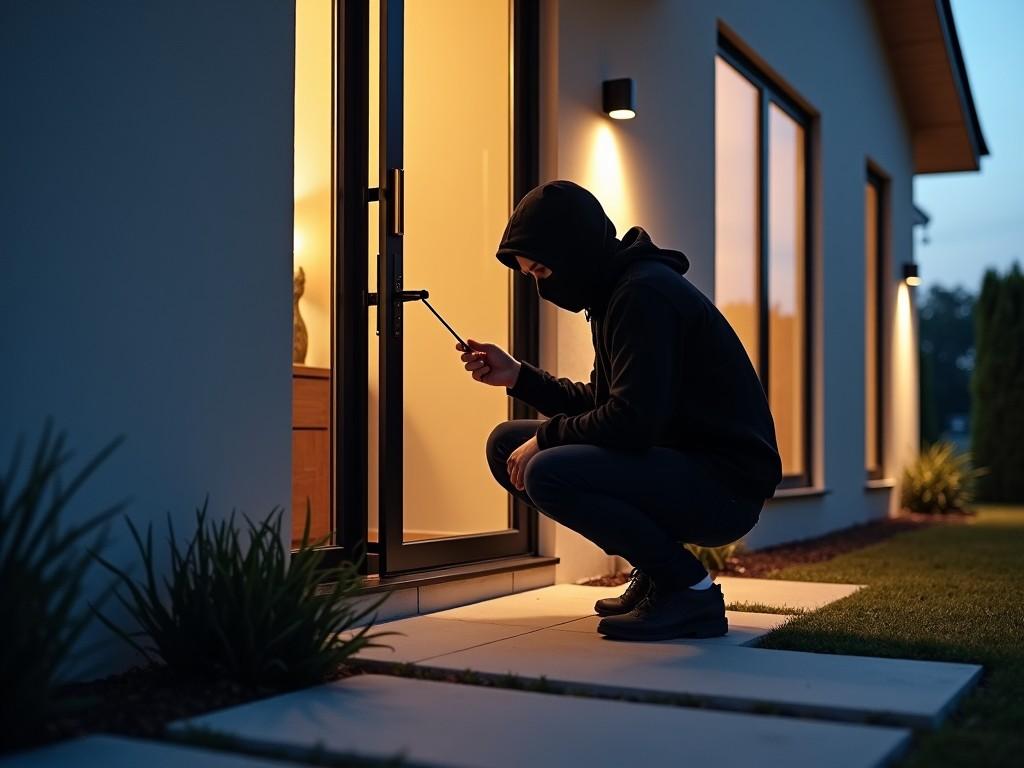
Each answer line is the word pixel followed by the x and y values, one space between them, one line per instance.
pixel 312 254
pixel 457 179
pixel 736 184
pixel 787 316
pixel 871 457
pixel 373 239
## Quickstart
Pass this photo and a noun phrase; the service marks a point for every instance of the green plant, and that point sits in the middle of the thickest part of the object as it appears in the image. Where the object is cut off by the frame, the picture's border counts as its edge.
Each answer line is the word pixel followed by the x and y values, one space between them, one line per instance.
pixel 940 480
pixel 715 558
pixel 251 612
pixel 997 386
pixel 43 566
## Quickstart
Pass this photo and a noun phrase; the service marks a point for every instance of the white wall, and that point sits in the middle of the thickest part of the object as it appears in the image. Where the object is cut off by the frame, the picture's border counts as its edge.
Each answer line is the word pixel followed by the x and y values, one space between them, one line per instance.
pixel 146 219
pixel 658 171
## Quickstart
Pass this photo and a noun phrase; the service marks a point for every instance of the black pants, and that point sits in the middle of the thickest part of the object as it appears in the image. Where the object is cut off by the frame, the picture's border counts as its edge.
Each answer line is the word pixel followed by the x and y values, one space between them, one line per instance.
pixel 642 507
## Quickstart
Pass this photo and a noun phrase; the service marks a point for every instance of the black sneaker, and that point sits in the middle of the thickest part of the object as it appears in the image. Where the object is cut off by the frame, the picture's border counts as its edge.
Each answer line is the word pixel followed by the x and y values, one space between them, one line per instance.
pixel 639 585
pixel 664 615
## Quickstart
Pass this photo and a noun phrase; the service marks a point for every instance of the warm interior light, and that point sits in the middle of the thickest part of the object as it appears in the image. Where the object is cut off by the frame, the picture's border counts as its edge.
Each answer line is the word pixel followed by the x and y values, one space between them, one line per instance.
pixel 622 114
pixel 913 281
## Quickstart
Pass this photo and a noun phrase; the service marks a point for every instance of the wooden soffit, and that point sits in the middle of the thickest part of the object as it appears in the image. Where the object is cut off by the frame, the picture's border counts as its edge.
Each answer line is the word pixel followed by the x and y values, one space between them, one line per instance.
pixel 924 53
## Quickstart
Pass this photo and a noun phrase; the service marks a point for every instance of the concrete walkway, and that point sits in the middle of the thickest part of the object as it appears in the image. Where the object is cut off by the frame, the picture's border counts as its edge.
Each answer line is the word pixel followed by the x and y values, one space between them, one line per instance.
pixel 587 700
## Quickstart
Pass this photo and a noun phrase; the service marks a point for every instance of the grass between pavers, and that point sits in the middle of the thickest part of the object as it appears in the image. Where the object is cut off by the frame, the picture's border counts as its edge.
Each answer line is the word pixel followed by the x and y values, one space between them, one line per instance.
pixel 944 593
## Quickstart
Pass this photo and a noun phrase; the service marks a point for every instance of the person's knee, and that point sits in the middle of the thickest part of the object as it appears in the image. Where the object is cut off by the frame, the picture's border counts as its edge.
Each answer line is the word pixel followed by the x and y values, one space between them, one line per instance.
pixel 541 475
pixel 496 441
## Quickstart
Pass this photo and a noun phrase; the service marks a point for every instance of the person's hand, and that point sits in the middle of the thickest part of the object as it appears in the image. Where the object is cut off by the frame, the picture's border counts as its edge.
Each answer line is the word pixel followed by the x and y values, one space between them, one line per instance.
pixel 490 364
pixel 519 459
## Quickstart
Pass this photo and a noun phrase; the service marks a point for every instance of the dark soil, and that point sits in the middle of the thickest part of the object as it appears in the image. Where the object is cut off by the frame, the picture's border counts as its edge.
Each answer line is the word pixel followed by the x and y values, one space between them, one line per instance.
pixel 142 701
pixel 767 561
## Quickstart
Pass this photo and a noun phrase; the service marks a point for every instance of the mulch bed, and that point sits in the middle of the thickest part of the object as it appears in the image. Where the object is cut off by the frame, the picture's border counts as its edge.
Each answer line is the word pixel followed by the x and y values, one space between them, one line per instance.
pixel 766 562
pixel 142 701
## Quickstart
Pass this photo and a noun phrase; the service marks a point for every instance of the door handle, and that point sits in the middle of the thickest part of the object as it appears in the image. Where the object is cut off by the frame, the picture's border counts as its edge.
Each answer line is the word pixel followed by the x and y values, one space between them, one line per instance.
pixel 372 300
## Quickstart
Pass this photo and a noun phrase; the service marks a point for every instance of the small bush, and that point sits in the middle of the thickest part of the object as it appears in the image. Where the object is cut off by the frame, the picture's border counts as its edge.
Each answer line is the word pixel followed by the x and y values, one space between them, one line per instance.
pixel 42 569
pixel 715 558
pixel 254 613
pixel 939 481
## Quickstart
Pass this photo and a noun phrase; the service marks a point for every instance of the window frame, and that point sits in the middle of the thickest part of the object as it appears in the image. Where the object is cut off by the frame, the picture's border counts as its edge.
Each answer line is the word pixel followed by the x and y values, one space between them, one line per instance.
pixel 771 92
pixel 880 181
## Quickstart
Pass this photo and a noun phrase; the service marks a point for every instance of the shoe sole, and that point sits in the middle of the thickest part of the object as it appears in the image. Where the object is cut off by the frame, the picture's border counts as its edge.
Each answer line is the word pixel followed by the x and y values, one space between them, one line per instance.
pixel 704 630
pixel 605 612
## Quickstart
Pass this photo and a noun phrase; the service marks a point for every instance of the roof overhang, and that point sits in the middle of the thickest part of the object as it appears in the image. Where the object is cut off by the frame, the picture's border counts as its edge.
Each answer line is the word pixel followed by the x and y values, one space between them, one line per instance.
pixel 924 53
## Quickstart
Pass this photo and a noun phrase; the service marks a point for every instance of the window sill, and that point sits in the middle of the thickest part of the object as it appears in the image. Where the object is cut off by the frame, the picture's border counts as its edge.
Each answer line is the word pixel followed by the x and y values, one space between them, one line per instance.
pixel 805 492
pixel 414 579
pixel 880 484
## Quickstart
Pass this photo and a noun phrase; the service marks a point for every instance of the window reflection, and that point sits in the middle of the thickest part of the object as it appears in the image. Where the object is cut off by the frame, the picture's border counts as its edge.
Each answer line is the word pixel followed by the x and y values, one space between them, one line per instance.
pixel 872 459
pixel 736 184
pixel 786 316
pixel 741 177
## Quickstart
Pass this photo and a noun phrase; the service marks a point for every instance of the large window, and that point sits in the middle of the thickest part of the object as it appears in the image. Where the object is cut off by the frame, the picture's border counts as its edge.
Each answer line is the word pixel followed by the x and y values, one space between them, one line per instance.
pixel 761 224
pixel 873 261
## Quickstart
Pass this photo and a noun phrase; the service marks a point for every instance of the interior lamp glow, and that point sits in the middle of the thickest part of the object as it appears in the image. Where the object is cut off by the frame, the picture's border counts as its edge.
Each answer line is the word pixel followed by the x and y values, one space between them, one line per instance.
pixel 910 274
pixel 619 98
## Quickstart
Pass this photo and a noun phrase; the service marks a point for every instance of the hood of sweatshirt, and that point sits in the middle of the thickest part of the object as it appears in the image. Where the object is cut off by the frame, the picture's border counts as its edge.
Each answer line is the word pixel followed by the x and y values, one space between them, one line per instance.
pixel 563 226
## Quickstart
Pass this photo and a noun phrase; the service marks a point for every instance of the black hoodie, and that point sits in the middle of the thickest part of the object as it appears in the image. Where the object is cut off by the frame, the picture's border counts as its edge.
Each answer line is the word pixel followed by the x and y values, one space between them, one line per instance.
pixel 668 368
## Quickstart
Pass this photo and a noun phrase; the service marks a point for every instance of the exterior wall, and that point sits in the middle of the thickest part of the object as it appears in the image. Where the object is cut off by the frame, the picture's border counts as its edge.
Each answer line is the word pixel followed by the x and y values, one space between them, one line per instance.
pixel 658 171
pixel 146 214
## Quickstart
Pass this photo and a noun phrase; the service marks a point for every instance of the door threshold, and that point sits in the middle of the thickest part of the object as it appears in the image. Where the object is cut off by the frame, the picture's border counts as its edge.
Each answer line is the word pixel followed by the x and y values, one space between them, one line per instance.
pixel 423 578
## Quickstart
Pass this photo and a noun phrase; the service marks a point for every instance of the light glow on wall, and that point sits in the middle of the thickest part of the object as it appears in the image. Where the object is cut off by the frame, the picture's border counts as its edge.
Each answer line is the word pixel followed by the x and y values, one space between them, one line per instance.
pixel 904 362
pixel 606 176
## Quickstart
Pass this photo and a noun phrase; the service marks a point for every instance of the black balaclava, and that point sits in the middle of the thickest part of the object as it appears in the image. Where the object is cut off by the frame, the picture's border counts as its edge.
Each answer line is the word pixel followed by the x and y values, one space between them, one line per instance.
pixel 563 226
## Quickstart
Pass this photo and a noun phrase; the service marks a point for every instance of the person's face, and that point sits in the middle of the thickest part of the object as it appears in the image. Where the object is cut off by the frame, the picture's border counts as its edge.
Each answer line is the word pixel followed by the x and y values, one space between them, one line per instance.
pixel 530 267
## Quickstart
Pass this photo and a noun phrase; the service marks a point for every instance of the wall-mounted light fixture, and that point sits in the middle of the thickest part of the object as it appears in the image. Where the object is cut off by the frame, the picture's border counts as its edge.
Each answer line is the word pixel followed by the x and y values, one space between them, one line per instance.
pixel 910 274
pixel 619 98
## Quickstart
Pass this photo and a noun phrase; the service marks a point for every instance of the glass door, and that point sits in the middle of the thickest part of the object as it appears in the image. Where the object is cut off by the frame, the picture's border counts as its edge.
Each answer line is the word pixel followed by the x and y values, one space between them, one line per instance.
pixel 444 171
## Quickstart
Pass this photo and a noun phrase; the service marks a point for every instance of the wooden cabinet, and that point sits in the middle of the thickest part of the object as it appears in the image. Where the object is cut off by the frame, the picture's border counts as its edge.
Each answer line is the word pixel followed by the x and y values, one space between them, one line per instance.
pixel 311 450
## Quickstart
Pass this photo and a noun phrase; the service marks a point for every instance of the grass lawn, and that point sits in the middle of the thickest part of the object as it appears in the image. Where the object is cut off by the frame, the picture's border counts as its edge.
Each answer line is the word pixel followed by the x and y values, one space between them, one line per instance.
pixel 948 593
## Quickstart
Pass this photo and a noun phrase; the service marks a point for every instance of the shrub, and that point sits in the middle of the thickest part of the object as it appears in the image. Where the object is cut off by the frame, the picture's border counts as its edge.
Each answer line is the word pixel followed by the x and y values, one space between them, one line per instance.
pixel 997 386
pixel 940 480
pixel 253 613
pixel 715 558
pixel 43 566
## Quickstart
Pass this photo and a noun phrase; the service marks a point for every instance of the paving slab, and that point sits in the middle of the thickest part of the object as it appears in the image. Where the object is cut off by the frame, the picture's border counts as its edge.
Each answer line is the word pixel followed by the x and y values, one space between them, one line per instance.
pixel 117 752
pixel 791 595
pixel 465 725
pixel 424 637
pixel 561 603
pixel 536 608
pixel 854 688
pixel 744 628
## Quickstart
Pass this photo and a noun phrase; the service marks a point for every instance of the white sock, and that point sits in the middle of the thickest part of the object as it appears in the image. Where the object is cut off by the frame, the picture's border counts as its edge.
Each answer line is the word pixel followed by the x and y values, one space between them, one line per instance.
pixel 704 583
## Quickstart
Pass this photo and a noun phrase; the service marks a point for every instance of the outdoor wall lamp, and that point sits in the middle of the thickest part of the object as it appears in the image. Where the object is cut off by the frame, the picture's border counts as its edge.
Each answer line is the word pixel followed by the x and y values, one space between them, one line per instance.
pixel 910 274
pixel 619 98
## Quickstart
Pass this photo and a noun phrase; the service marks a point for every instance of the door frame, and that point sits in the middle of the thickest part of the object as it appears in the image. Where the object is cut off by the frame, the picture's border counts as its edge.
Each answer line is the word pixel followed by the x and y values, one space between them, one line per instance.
pixel 352 310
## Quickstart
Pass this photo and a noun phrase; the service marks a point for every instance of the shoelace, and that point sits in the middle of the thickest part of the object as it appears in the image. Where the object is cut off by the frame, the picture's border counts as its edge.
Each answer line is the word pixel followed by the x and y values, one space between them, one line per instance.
pixel 634 580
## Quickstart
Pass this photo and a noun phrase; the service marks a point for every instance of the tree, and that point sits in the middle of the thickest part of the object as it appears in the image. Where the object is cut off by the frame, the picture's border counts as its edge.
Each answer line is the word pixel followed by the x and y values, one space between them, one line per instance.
pixel 997 386
pixel 947 357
